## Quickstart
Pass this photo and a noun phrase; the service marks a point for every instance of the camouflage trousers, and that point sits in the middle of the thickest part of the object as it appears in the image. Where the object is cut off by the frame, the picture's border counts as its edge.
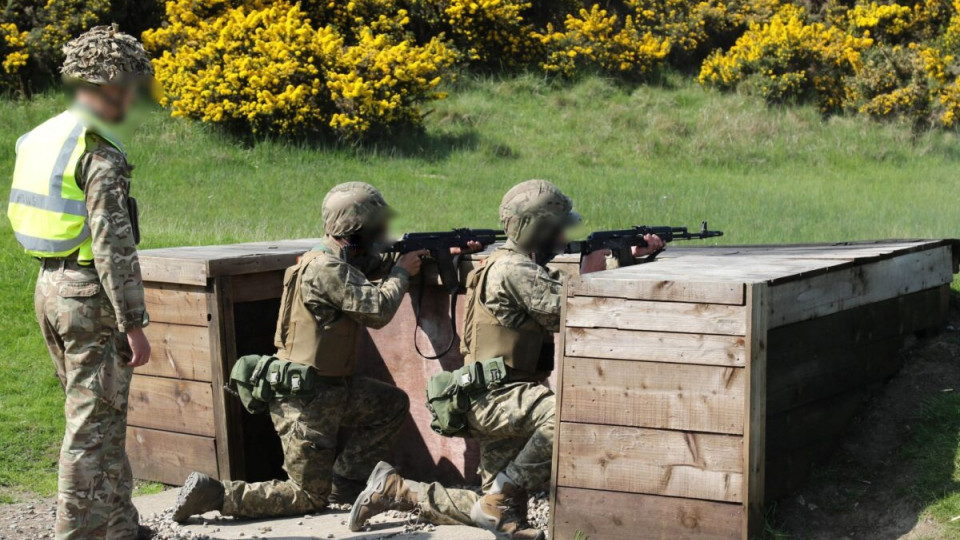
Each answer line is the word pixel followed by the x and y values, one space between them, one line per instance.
pixel 309 430
pixel 514 426
pixel 90 355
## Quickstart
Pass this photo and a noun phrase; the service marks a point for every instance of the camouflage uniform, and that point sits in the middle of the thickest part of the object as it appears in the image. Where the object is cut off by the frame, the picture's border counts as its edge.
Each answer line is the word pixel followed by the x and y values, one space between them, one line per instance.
pixel 513 424
pixel 83 312
pixel 332 287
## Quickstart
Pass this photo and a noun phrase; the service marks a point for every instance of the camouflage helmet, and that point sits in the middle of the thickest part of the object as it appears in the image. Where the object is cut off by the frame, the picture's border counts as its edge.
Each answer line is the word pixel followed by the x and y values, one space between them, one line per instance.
pixel 354 206
pixel 105 56
pixel 533 212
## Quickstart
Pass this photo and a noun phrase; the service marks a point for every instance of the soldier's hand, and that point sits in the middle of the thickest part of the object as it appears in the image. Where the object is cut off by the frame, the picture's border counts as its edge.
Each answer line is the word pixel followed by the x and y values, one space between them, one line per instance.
pixel 140 347
pixel 654 244
pixel 472 247
pixel 594 261
pixel 411 261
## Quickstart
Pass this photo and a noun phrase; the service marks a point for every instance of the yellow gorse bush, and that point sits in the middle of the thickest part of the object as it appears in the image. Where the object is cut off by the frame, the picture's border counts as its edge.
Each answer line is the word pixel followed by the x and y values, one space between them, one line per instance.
pixel 789 58
pixel 596 38
pixel 267 67
pixel 13 50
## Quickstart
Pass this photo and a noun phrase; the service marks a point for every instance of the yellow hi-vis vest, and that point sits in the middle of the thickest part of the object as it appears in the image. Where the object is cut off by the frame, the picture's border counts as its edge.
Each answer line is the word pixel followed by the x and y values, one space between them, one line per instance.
pixel 47 207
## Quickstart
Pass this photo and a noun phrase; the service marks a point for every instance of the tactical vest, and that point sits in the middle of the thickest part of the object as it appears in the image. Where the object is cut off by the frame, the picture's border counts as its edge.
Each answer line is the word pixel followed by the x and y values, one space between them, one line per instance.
pixel 332 348
pixel 527 350
pixel 47 207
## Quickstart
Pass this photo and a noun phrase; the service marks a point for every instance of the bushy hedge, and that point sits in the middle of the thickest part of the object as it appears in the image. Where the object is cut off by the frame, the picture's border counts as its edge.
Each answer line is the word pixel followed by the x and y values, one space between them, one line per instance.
pixel 356 67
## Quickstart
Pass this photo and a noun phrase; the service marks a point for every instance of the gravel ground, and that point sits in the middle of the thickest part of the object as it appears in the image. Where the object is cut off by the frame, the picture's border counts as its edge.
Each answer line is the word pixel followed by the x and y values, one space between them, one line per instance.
pixel 34 519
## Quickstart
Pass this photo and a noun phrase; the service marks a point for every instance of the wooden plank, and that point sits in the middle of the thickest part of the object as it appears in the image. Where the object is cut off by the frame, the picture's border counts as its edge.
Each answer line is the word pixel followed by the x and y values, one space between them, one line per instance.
pixel 259 286
pixel 824 420
pixel 826 294
pixel 829 372
pixel 171 405
pixel 612 285
pixel 561 396
pixel 657 462
pixel 177 304
pixel 158 268
pixel 178 351
pixel 593 312
pixel 655 346
pixel 651 394
pixel 226 410
pixel 755 411
pixel 163 456
pixel 606 515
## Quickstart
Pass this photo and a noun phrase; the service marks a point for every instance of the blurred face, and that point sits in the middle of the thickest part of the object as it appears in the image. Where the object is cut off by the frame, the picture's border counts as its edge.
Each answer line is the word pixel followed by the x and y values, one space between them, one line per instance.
pixel 110 103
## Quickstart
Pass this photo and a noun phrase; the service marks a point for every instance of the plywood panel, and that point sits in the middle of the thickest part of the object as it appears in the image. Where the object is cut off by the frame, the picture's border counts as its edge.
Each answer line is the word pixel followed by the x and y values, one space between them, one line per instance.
pixel 593 312
pixel 606 515
pixel 171 405
pixel 657 462
pixel 654 395
pixel 162 456
pixel 655 346
pixel 853 287
pixel 178 351
pixel 177 304
pixel 614 285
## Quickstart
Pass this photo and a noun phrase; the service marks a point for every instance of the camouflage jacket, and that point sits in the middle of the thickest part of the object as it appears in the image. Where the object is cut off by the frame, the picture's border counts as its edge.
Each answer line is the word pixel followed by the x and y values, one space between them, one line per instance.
pixel 340 284
pixel 517 288
pixel 103 174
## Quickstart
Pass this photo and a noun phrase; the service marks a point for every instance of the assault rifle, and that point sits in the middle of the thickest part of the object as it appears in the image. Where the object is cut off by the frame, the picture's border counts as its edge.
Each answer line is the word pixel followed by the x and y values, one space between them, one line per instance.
pixel 439 245
pixel 620 243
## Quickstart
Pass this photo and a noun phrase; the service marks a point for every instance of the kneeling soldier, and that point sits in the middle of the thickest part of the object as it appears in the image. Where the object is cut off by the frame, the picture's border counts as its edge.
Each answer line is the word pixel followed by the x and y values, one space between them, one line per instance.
pixel 328 299
pixel 512 311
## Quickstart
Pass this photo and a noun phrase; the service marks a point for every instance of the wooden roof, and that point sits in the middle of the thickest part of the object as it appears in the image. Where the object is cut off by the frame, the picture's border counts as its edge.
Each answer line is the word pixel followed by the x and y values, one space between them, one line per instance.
pixel 195 265
pixel 767 263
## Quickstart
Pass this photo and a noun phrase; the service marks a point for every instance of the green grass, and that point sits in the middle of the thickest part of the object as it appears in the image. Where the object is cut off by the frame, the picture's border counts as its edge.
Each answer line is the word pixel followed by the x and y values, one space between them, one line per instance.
pixel 670 154
pixel 934 449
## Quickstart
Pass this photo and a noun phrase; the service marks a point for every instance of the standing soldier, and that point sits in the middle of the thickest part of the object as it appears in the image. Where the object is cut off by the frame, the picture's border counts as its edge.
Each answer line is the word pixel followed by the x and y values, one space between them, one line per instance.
pixel 328 299
pixel 512 311
pixel 70 207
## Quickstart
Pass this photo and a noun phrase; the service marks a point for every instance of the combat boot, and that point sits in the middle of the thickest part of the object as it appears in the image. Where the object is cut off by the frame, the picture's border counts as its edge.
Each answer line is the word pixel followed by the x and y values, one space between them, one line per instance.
pixel 503 510
pixel 200 494
pixel 145 533
pixel 386 490
pixel 345 490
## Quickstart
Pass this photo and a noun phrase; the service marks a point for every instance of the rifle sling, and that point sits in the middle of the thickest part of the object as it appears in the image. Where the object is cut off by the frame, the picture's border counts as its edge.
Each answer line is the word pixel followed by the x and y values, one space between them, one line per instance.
pixel 451 289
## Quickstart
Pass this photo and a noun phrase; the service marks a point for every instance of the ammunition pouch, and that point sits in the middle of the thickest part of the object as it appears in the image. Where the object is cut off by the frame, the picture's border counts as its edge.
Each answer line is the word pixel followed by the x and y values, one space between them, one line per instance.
pixel 449 394
pixel 258 380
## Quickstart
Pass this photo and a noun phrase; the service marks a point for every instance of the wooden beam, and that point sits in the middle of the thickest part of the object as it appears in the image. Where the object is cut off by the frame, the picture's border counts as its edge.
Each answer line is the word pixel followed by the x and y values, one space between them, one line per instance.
pixel 606 515
pixel 560 397
pixel 656 462
pixel 593 312
pixel 823 295
pixel 259 286
pixel 755 411
pixel 171 405
pixel 612 285
pixel 166 457
pixel 177 304
pixel 655 346
pixel 178 351
pixel 655 395
pixel 226 409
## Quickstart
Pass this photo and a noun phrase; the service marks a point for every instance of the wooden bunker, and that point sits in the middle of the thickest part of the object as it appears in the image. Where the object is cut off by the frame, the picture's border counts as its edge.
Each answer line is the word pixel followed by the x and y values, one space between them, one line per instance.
pixel 694 389
pixel 209 305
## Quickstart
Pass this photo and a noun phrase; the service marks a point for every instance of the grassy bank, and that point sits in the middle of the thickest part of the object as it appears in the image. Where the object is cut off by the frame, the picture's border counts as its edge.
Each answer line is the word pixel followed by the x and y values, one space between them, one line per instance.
pixel 652 155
